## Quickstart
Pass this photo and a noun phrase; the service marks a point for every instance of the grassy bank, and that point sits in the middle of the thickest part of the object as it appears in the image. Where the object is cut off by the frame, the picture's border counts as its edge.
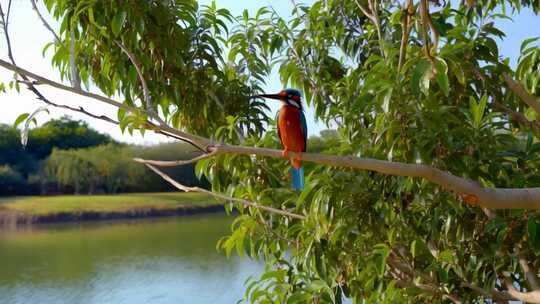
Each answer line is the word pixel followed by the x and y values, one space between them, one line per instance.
pixel 33 209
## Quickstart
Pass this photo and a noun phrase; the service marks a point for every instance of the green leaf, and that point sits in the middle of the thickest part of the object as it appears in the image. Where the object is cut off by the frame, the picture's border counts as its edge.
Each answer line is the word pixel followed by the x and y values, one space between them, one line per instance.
pixel 20 119
pixel 381 252
pixel 413 248
pixel 527 41
pixel 533 233
pixel 299 297
pixel 442 75
pixel 46 47
pixel 304 194
pixel 457 70
pixel 421 77
pixel 118 22
pixel 443 275
pixel 447 256
pixel 477 110
pixel 318 285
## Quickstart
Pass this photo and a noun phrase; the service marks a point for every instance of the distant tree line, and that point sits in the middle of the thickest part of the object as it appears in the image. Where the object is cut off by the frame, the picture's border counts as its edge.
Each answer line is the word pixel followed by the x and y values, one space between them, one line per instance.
pixel 67 156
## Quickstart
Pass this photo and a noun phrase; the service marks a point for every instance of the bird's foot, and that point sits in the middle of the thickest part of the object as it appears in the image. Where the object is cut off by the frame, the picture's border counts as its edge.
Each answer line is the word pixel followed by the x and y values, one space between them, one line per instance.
pixel 297 160
pixel 285 153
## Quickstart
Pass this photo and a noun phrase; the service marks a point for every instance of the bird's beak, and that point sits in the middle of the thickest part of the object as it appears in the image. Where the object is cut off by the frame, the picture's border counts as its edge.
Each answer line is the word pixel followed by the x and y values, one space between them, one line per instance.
pixel 271 96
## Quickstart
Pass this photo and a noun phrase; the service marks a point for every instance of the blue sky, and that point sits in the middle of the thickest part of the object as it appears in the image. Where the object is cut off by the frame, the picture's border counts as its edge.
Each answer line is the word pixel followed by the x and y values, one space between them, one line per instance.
pixel 29 36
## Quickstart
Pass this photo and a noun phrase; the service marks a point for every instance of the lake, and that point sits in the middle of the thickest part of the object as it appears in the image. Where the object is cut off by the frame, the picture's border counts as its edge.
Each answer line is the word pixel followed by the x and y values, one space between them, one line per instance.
pixel 172 260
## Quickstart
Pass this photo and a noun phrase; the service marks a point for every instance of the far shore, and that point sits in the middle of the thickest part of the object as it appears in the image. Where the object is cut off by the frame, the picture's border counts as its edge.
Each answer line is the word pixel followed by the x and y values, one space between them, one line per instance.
pixel 17 211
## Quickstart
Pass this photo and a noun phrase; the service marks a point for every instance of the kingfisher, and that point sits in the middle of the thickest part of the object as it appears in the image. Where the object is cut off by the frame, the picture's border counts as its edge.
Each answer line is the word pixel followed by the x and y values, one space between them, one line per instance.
pixel 292 131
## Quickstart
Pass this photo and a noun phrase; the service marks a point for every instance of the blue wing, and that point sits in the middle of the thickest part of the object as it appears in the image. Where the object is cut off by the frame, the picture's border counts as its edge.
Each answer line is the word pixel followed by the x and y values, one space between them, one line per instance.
pixel 303 124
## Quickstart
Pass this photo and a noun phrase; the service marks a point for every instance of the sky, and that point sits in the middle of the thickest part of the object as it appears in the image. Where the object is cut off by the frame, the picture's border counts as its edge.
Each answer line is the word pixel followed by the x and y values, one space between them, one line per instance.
pixel 29 36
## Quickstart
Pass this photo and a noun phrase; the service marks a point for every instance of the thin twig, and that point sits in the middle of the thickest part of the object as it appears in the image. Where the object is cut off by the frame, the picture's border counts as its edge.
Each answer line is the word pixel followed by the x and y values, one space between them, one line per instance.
pixel 47 26
pixel 175 163
pixel 8 13
pixel 146 91
pixel 364 10
pixel 218 195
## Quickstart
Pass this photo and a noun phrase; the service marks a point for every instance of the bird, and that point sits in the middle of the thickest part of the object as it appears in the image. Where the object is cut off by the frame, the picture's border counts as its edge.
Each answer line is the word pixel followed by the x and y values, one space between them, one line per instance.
pixel 292 131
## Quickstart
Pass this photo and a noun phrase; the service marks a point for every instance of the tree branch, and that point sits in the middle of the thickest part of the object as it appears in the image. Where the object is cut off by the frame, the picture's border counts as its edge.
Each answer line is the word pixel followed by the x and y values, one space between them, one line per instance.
pixel 529 297
pixel 218 195
pixel 520 91
pixel 495 198
pixel 196 141
pixel 43 80
pixel 364 10
pixel 146 92
pixel 31 84
pixel 494 294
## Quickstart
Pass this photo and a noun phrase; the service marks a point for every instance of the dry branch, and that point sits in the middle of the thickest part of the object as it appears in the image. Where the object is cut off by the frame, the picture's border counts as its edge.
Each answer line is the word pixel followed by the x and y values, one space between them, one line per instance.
pixel 218 195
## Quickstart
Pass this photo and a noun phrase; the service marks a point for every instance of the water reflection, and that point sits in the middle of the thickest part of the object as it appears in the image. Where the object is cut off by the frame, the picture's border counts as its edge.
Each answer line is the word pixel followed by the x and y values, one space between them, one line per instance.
pixel 149 261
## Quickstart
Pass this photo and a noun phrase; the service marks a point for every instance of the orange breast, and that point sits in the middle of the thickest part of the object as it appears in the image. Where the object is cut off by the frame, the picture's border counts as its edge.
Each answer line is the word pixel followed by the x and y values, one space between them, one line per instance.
pixel 290 129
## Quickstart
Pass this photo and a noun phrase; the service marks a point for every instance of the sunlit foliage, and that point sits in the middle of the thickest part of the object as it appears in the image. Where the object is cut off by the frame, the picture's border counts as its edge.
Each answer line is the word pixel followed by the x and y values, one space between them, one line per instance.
pixel 409 81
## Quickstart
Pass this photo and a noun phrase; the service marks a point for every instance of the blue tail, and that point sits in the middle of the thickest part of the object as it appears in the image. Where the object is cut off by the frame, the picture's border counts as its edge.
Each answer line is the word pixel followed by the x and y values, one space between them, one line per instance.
pixel 297 177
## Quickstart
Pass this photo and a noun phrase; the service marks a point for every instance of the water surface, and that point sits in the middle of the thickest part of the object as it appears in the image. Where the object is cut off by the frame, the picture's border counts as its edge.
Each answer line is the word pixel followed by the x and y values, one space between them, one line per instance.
pixel 145 261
